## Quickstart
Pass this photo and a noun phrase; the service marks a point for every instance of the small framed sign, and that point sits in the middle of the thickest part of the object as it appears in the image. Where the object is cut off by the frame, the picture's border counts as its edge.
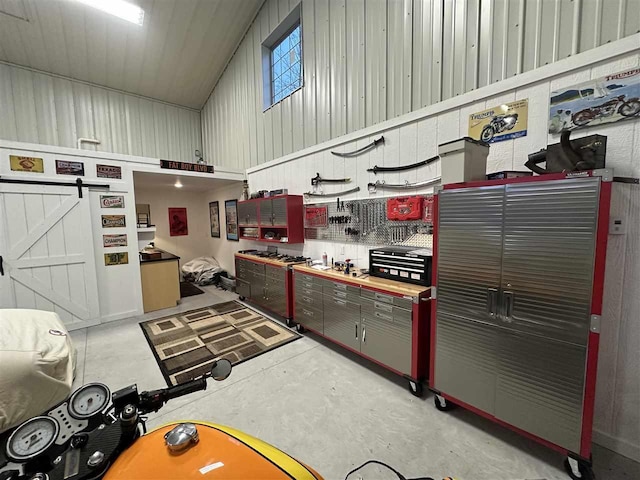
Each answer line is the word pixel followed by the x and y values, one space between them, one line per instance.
pixel 118 258
pixel 64 167
pixel 112 201
pixel 178 222
pixel 231 216
pixel 113 221
pixel 108 171
pixel 26 164
pixel 214 219
pixel 114 240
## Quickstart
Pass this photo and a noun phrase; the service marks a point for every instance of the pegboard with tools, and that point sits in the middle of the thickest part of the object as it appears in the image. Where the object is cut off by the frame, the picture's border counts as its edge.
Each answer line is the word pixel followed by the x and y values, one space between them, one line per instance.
pixel 367 222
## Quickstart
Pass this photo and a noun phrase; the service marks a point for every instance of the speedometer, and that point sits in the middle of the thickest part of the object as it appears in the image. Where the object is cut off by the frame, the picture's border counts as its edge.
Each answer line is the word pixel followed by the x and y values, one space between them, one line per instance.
pixel 89 400
pixel 32 438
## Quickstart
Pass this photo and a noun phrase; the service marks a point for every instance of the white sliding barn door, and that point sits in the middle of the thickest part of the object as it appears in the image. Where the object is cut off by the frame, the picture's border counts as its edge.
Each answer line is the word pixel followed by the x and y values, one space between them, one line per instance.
pixel 47 249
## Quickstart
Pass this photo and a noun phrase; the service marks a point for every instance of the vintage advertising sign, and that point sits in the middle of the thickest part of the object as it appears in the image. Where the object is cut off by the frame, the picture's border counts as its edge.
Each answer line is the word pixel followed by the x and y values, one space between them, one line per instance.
pixel 189 167
pixel 114 240
pixel 119 258
pixel 112 201
pixel 64 167
pixel 113 221
pixel 603 100
pixel 108 171
pixel 26 164
pixel 178 222
pixel 502 122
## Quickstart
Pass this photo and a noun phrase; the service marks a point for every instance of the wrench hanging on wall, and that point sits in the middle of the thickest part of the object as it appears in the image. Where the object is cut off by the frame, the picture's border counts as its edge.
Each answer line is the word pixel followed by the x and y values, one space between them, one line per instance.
pixel 360 151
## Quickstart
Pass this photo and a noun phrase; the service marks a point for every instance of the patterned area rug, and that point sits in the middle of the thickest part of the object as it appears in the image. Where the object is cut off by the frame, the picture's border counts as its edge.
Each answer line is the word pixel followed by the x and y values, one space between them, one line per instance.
pixel 186 344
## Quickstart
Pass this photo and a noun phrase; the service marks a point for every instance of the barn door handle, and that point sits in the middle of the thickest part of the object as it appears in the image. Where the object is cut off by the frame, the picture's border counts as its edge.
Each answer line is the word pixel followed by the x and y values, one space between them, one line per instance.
pixel 1 267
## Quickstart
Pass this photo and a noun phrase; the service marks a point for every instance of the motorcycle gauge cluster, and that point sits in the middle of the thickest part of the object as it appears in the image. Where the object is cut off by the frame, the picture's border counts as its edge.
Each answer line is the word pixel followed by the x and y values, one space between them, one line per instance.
pixel 89 400
pixel 32 438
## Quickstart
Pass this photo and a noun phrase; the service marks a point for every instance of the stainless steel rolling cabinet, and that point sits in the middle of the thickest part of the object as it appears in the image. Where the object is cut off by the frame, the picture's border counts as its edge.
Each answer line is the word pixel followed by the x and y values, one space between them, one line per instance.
pixel 265 282
pixel 383 320
pixel 519 271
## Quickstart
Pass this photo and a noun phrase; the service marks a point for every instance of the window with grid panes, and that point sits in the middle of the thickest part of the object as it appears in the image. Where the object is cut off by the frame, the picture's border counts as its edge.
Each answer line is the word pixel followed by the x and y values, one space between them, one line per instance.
pixel 286 65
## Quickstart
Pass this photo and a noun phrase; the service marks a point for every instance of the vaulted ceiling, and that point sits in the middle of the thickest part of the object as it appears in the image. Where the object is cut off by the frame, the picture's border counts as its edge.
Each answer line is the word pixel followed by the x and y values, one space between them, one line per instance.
pixel 176 56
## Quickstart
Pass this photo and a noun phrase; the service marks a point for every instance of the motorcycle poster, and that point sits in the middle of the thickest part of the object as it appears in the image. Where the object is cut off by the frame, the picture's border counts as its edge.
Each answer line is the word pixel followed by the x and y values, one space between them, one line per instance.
pixel 603 100
pixel 503 122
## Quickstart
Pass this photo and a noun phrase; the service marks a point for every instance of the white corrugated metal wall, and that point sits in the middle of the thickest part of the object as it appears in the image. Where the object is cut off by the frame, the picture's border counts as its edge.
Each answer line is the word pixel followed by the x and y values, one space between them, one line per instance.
pixel 369 61
pixel 40 108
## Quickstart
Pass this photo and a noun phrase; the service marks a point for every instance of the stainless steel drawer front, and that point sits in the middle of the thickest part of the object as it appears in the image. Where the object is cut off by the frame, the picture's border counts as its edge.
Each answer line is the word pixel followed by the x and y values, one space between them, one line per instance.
pixel 309 317
pixel 372 307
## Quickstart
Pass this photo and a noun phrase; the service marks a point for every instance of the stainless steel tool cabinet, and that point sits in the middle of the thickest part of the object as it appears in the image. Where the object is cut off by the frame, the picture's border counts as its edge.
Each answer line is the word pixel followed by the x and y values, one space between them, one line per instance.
pixel 383 320
pixel 519 271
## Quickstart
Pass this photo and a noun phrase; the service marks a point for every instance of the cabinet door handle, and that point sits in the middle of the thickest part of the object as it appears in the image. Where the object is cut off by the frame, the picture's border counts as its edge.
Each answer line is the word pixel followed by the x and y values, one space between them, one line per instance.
pixel 384 317
pixel 364 334
pixel 356 330
pixel 492 297
pixel 1 266
pixel 342 303
pixel 307 312
pixel 341 294
pixel 508 306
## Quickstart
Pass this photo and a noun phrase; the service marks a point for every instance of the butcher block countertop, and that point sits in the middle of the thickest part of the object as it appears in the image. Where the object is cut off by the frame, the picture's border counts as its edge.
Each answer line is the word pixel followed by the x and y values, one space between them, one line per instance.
pixel 393 286
pixel 268 261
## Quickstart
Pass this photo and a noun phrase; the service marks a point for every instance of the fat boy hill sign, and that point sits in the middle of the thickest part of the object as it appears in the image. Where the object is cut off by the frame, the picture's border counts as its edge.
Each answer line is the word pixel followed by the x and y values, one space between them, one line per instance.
pixel 189 167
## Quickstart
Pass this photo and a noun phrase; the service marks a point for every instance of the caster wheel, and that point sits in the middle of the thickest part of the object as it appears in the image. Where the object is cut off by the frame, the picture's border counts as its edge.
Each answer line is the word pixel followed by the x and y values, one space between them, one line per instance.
pixel 299 328
pixel 578 469
pixel 442 404
pixel 415 388
pixel 289 323
pixel 241 298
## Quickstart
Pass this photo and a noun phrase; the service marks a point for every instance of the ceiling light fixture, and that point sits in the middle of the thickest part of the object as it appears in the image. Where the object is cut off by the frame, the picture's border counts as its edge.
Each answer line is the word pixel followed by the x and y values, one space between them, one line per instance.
pixel 178 184
pixel 119 8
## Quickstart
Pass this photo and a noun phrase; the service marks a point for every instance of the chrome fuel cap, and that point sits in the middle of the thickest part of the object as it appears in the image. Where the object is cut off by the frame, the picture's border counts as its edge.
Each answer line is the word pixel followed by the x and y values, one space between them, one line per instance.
pixel 181 437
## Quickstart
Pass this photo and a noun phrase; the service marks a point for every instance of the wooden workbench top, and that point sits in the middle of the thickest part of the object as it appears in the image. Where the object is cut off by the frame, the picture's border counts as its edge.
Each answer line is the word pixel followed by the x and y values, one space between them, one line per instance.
pixel 268 261
pixel 368 281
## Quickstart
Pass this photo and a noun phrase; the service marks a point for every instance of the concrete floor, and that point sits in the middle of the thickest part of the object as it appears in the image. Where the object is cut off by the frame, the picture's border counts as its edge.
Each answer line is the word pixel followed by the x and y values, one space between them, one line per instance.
pixel 331 409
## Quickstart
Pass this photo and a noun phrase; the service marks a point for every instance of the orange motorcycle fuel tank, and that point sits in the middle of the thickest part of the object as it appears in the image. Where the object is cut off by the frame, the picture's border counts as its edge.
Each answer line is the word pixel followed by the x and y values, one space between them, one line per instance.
pixel 220 453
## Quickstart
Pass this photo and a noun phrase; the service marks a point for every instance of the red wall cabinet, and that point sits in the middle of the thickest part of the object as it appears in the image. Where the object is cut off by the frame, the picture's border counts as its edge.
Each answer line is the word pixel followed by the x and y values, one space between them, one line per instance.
pixel 272 219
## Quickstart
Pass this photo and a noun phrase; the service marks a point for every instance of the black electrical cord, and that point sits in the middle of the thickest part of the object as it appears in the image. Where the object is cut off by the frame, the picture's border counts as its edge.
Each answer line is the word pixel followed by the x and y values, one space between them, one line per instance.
pixel 398 474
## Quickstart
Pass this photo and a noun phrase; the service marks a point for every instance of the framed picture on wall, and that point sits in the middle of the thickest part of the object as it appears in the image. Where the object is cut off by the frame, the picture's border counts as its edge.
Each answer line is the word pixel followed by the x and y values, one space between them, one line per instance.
pixel 231 216
pixel 214 218
pixel 178 222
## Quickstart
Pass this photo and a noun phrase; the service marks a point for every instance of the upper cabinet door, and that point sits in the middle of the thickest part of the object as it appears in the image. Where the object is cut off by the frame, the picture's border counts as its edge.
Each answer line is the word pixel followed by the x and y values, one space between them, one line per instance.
pixel 266 212
pixel 279 211
pixel 470 252
pixel 549 243
pixel 248 213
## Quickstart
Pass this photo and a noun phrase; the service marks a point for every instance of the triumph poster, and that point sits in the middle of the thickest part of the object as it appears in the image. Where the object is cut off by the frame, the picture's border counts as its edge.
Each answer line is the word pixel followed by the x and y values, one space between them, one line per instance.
pixel 503 122
pixel 596 102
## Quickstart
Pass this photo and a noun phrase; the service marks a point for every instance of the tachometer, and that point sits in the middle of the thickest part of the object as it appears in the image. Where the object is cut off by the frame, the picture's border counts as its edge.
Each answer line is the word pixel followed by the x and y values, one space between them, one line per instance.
pixel 89 400
pixel 32 438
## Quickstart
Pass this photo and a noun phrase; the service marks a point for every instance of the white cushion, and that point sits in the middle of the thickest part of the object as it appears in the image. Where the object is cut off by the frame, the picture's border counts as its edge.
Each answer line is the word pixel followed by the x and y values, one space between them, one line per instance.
pixel 37 363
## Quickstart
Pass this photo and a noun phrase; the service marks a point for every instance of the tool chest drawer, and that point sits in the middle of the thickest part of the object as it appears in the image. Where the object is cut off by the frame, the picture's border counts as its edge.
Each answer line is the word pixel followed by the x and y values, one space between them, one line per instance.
pixel 309 317
pixel 401 302
pixel 302 283
pixel 339 306
pixel 312 300
pixel 330 286
pixel 308 278
pixel 384 309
